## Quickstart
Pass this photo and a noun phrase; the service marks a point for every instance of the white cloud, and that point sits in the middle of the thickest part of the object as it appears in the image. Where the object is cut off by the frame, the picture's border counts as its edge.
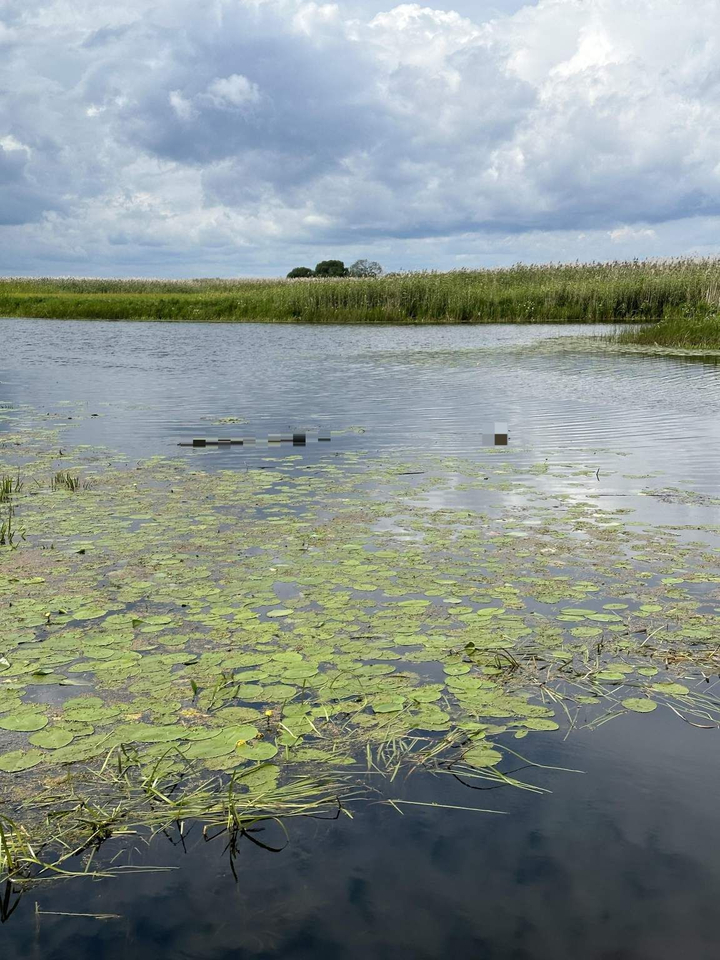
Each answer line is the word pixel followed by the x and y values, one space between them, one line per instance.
pixel 233 91
pixel 255 127
pixel 181 105
pixel 314 19
pixel 631 234
pixel 9 143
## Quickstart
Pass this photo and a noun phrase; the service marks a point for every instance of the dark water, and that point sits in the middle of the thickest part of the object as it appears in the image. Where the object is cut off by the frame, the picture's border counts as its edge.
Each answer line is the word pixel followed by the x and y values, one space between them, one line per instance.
pixel 619 862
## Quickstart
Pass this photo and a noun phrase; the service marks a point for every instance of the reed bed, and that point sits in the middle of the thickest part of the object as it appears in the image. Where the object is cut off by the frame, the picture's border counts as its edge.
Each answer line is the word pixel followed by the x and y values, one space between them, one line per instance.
pixel 688 333
pixel 621 291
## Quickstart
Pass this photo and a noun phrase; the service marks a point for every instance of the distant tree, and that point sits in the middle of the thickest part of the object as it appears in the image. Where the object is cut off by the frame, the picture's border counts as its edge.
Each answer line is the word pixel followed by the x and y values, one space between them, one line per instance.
pixel 331 268
pixel 365 268
pixel 300 272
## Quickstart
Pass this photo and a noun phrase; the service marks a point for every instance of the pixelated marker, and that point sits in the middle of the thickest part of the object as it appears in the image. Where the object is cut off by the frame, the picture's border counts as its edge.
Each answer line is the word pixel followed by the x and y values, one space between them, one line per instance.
pixel 298 438
pixel 204 442
pixel 501 434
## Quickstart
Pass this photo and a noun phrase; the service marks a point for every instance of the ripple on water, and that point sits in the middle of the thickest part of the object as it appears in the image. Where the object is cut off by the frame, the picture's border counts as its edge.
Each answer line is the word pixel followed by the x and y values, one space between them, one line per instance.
pixel 409 389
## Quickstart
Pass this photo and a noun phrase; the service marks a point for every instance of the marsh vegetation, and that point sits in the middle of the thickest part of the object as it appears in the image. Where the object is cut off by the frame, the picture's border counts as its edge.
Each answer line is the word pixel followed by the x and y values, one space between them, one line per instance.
pixel 231 646
pixel 694 330
pixel 598 292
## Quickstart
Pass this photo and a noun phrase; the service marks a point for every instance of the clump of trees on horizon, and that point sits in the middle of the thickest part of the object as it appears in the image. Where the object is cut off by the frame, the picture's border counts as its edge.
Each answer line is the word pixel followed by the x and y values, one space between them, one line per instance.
pixel 336 268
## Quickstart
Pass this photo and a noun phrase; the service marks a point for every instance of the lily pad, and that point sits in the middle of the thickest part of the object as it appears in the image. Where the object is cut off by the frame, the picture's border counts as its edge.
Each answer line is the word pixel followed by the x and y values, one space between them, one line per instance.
pixel 639 705
pixel 23 721
pixel 18 760
pixel 671 689
pixel 482 755
pixel 257 750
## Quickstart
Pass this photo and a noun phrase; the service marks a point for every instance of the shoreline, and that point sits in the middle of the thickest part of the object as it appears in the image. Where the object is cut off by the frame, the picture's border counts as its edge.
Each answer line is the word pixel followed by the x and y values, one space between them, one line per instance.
pixel 678 298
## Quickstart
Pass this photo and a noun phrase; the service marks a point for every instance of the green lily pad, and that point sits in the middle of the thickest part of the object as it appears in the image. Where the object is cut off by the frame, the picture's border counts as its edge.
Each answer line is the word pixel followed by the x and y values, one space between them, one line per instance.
pixel 671 689
pixel 257 750
pixel 389 705
pixel 18 760
pixel 540 723
pixel 457 669
pixel 51 738
pixel 639 705
pixel 23 721
pixel 482 755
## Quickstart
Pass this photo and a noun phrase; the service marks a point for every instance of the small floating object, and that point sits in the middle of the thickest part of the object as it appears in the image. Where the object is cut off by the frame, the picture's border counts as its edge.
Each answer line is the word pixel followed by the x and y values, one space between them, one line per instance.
pixel 501 434
pixel 204 442
pixel 298 438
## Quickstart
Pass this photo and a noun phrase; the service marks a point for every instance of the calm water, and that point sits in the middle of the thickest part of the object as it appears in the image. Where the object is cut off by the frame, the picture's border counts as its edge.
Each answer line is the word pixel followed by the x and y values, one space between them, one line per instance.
pixel 619 862
pixel 410 389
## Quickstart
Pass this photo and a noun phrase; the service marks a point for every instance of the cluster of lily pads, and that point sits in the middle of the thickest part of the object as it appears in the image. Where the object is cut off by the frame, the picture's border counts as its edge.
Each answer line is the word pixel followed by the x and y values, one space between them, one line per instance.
pixel 281 621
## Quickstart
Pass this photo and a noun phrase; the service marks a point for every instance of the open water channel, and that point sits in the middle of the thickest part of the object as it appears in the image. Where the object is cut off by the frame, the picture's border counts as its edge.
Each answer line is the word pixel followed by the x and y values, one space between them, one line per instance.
pixel 620 860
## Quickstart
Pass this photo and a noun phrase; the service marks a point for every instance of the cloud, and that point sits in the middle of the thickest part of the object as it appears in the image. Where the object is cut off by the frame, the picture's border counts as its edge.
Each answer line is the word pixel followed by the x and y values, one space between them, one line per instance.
pixel 25 200
pixel 232 92
pixel 631 235
pixel 207 130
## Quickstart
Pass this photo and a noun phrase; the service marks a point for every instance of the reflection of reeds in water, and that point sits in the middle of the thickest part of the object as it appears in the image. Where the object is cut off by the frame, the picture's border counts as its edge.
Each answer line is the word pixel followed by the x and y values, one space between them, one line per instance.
pixel 596 292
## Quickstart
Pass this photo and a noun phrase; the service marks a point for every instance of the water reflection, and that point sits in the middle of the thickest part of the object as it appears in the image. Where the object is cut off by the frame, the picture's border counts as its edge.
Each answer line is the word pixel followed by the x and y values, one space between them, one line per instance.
pixel 618 862
pixel 615 862
pixel 408 390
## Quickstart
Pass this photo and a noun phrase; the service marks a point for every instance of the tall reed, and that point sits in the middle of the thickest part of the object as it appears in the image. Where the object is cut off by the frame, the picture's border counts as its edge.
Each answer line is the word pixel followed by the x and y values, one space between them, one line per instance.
pixel 621 291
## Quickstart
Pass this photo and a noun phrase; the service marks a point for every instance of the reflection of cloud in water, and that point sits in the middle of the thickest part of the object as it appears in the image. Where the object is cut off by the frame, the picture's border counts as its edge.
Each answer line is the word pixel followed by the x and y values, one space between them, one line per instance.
pixel 158 383
pixel 616 862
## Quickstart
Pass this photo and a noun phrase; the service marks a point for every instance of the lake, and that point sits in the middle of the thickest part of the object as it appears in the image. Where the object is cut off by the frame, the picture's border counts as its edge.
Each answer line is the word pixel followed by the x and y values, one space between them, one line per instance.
pixel 616 858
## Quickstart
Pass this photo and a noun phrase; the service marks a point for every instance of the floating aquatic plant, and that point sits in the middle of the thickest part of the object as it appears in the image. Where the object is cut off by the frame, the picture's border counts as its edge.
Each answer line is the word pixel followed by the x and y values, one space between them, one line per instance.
pixel 246 630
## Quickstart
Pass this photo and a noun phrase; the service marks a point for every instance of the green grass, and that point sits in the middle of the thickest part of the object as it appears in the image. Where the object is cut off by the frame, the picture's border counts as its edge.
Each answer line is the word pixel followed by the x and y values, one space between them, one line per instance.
pixel 690 332
pixel 598 292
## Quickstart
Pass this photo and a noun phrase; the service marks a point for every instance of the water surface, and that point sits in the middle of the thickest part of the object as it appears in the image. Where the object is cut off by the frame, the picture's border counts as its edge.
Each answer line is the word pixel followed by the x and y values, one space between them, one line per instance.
pixel 620 861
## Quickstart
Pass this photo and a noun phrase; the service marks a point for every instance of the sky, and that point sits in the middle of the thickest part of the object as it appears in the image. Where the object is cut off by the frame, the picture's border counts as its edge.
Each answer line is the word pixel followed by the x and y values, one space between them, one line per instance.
pixel 177 138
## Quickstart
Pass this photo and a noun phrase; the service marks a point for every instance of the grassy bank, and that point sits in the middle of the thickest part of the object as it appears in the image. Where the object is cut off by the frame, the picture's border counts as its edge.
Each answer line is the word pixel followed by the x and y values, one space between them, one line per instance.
pixel 690 332
pixel 599 292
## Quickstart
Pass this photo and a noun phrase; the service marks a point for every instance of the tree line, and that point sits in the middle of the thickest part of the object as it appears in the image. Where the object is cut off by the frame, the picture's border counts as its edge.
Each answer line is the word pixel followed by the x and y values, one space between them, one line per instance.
pixel 336 268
